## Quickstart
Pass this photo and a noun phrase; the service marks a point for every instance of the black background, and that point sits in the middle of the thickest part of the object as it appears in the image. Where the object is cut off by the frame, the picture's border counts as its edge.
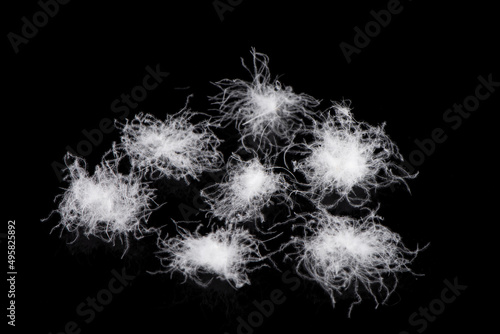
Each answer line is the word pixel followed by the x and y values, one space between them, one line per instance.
pixel 428 58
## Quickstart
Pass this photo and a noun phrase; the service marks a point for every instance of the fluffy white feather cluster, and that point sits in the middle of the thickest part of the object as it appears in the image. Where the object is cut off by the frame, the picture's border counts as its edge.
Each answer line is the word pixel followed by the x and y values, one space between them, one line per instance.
pixel 263 110
pixel 342 252
pixel 347 155
pixel 107 204
pixel 226 253
pixel 174 148
pixel 247 188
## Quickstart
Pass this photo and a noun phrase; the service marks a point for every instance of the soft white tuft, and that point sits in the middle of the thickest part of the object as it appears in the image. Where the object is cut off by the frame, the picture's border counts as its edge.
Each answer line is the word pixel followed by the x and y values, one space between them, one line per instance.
pixel 107 204
pixel 342 252
pixel 173 148
pixel 347 155
pixel 247 188
pixel 264 110
pixel 229 254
